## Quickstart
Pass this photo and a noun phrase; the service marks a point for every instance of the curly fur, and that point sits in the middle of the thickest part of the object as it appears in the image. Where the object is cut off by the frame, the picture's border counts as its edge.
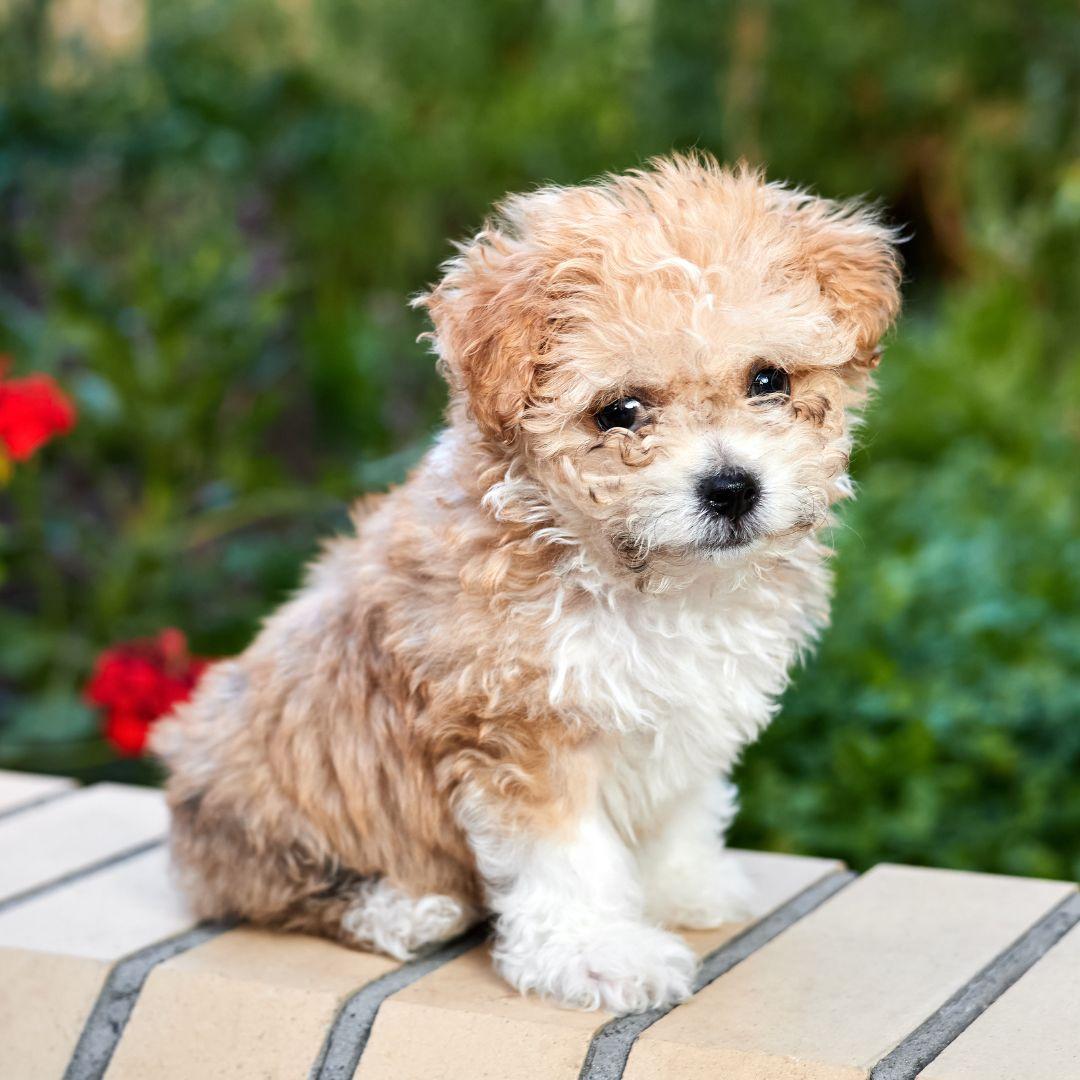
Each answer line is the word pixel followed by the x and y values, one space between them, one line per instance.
pixel 517 687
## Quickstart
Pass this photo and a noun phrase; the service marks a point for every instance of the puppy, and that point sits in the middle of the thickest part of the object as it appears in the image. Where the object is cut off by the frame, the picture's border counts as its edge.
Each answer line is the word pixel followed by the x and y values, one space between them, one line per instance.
pixel 519 687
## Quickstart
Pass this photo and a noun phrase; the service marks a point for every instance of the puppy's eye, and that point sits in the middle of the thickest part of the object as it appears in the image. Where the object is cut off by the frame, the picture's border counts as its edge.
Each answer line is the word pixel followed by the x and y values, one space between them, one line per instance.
pixel 769 380
pixel 627 413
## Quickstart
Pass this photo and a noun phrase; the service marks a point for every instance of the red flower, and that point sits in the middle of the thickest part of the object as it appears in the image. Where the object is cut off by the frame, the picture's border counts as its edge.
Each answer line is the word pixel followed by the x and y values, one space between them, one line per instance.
pixel 138 682
pixel 32 411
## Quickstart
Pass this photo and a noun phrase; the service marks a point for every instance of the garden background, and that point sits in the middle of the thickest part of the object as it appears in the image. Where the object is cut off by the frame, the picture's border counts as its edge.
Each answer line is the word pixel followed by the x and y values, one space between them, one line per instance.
pixel 212 213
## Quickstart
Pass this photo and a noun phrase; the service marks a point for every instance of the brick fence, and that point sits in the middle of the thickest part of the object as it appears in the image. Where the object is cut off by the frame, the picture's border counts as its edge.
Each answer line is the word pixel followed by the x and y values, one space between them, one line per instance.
pixel 899 972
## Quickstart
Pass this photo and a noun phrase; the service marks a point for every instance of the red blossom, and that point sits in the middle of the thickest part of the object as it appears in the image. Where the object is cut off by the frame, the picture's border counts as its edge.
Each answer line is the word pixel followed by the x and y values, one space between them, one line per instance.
pixel 32 411
pixel 138 682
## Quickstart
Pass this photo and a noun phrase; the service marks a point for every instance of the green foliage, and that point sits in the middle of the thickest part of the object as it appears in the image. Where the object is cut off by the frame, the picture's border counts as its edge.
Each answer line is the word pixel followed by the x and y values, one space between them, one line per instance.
pixel 209 235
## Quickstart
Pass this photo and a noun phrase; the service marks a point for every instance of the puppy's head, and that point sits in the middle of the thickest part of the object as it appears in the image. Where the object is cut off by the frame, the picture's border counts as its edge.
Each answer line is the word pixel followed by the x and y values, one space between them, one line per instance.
pixel 672 355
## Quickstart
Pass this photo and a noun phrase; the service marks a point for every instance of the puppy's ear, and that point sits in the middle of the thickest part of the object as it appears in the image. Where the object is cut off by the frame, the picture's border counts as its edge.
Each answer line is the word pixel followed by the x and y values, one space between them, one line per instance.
pixel 853 256
pixel 491 329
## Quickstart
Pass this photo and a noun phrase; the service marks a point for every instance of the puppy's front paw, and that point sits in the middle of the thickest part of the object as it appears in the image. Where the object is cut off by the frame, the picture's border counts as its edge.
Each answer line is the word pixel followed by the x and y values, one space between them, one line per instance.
pixel 622 966
pixel 701 894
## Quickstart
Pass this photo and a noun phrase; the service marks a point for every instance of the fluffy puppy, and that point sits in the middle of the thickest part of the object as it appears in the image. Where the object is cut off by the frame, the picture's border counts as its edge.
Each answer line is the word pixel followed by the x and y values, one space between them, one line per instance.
pixel 519 687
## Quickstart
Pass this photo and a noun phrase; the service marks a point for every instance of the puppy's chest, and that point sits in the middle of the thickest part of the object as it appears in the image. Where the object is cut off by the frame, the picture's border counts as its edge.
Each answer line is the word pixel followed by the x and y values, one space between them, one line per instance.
pixel 679 689
pixel 696 676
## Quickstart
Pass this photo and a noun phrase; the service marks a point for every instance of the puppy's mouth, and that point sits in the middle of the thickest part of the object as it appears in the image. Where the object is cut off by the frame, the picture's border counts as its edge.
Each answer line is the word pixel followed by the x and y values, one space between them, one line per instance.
pixel 639 556
pixel 727 546
pixel 727 543
pixel 723 536
pixel 708 538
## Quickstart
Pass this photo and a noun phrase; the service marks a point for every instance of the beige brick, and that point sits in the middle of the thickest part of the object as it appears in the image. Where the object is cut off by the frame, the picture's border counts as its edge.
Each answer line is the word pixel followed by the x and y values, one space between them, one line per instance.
pixel 837 991
pixel 475 1026
pixel 18 789
pixel 90 825
pixel 1032 1032
pixel 248 1004
pixel 56 952
pixel 44 1002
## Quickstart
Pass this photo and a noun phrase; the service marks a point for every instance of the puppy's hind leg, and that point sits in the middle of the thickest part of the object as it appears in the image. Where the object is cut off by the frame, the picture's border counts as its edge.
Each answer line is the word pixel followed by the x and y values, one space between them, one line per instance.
pixel 230 874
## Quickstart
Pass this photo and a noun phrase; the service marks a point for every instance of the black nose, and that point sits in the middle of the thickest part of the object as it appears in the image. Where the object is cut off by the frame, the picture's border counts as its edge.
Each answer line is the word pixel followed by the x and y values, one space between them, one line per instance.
pixel 730 493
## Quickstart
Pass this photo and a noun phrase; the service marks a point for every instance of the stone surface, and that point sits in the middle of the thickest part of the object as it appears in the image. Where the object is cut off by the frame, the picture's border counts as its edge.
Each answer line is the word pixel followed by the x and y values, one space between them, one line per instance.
pixel 1032 1032
pixel 88 915
pixel 476 1026
pixel 248 1004
pixel 44 1002
pixel 56 952
pixel 17 789
pixel 834 993
pixel 105 915
pixel 95 823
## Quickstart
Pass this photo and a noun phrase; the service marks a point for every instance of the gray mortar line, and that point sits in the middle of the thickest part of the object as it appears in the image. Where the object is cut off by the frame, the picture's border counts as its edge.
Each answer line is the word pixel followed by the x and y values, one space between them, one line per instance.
pixel 348 1034
pixel 935 1033
pixel 610 1048
pixel 105 1025
pixel 39 800
pixel 53 884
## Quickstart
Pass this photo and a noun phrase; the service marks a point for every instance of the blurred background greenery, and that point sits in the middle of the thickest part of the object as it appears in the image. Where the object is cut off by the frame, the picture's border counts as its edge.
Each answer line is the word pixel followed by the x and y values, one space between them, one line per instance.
pixel 212 213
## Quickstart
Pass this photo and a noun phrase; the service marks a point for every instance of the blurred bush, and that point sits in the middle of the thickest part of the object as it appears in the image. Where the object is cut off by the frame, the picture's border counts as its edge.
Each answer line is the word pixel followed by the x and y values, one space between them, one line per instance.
pixel 212 213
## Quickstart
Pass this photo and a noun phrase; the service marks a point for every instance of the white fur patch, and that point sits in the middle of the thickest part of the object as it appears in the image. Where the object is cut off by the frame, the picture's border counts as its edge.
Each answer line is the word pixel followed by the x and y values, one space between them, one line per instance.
pixel 690 882
pixel 385 919
pixel 570 919
pixel 687 679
